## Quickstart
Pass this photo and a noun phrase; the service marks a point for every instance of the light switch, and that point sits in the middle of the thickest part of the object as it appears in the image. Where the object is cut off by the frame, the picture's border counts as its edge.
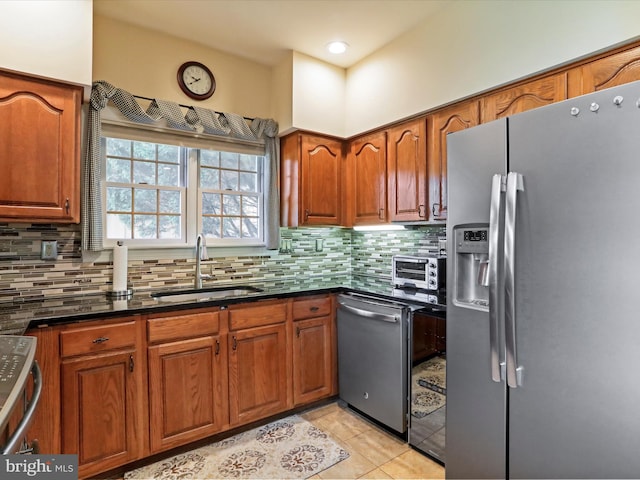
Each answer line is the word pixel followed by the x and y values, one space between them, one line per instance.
pixel 49 250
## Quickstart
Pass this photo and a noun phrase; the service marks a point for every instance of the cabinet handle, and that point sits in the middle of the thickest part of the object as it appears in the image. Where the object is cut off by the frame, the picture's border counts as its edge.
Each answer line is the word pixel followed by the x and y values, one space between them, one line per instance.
pixel 381 214
pixel 235 343
pixel 131 364
pixel 217 347
pixel 433 209
pixel 101 340
pixel 306 214
pixel 298 332
pixel 67 206
pixel 314 308
pixel 421 211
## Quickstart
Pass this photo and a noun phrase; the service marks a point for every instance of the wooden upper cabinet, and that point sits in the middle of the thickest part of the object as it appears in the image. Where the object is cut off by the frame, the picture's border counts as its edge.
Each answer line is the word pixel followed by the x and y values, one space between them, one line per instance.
pixel 407 171
pixel 367 197
pixel 524 97
pixel 610 71
pixel 39 150
pixel 451 119
pixel 311 180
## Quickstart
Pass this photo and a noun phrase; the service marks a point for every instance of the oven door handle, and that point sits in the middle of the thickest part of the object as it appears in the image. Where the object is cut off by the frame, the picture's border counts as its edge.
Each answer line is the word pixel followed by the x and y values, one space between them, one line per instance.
pixel 371 315
pixel 25 422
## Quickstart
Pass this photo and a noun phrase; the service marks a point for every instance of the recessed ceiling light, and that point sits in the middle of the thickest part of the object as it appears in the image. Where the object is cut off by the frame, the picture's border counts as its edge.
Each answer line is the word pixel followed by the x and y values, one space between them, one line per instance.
pixel 337 47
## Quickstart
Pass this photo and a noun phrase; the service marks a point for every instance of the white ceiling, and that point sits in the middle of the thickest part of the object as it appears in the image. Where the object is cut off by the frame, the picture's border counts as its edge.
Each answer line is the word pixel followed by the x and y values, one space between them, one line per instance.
pixel 265 30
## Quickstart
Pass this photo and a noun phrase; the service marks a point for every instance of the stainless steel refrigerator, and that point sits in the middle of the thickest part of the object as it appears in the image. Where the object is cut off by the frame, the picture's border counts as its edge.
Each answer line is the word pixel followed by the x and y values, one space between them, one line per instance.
pixel 543 292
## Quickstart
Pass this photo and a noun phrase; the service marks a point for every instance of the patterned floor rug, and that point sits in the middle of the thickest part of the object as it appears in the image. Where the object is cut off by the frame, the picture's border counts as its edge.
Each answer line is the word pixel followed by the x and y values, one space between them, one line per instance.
pixel 429 387
pixel 291 448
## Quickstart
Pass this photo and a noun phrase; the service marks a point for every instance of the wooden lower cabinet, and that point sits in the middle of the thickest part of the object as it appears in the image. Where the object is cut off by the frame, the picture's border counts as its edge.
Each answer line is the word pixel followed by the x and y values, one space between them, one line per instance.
pixel 429 336
pixel 258 367
pixel 103 396
pixel 312 359
pixel 188 395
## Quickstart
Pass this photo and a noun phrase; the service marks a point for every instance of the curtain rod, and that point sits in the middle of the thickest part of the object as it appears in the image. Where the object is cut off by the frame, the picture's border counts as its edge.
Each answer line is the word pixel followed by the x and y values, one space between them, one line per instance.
pixel 185 106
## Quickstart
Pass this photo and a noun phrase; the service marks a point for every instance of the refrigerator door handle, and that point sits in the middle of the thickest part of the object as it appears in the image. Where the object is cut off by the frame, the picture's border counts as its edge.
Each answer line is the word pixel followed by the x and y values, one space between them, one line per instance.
pixel 514 371
pixel 498 186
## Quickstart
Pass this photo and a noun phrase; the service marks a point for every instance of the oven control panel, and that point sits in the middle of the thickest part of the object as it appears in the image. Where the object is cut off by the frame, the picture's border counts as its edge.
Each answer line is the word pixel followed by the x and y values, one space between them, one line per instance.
pixel 16 358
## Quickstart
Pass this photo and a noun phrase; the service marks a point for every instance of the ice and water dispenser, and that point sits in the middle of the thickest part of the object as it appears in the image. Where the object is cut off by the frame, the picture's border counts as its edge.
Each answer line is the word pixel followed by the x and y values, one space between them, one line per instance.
pixel 471 257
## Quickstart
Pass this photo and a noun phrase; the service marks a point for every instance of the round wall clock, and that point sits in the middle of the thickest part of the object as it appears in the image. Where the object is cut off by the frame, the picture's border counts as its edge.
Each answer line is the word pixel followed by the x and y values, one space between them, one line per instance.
pixel 196 80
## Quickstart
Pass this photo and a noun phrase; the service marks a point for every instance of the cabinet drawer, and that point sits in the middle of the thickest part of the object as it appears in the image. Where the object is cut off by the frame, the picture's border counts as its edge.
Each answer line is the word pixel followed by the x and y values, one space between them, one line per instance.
pixel 102 338
pixel 256 315
pixel 183 326
pixel 311 307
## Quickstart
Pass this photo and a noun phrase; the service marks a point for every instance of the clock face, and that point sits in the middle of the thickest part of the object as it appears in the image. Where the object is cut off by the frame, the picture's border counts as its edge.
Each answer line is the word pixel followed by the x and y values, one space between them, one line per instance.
pixel 196 80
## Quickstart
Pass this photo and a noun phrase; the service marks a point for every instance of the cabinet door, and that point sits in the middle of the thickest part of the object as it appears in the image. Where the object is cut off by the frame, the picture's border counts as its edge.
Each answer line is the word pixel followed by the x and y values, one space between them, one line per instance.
pixel 407 171
pixel 102 410
pixel 452 119
pixel 39 150
pixel 258 369
pixel 524 97
pixel 368 162
pixel 610 71
pixel 188 394
pixel 312 360
pixel 321 164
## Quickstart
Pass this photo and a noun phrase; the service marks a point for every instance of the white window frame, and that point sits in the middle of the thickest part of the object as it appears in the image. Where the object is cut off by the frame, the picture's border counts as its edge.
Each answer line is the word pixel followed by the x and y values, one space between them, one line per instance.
pixel 113 125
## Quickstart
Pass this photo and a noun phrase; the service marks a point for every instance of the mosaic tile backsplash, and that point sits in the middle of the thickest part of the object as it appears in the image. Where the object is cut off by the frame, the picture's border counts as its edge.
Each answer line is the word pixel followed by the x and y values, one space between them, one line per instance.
pixel 313 257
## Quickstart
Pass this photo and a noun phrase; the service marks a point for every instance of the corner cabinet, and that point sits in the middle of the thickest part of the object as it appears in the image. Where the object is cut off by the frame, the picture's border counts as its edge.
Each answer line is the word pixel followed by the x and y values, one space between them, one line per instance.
pixel 311 180
pixel 188 395
pixel 407 171
pixel 39 150
pixel 451 119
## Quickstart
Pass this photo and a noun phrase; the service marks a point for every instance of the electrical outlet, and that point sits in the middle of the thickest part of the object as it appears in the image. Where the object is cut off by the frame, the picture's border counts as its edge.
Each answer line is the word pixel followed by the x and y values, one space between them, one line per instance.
pixel 49 250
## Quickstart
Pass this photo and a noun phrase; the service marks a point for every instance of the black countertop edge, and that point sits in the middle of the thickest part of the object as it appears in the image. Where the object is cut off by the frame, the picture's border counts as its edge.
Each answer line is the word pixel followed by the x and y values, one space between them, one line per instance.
pixel 40 314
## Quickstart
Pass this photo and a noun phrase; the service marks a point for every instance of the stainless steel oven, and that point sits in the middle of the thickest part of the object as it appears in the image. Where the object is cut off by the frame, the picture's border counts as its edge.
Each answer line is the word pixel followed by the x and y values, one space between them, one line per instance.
pixel 17 365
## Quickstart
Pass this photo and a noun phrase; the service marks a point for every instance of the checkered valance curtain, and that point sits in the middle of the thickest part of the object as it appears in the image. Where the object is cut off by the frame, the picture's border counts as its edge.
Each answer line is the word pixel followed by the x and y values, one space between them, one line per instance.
pixel 197 120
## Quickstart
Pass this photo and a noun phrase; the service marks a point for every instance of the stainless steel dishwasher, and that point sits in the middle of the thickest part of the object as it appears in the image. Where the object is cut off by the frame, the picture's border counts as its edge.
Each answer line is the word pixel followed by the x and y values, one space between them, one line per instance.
pixel 372 357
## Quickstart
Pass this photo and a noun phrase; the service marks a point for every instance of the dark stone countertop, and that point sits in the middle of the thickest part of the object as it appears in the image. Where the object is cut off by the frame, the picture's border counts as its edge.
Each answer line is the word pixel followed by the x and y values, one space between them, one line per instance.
pixel 16 317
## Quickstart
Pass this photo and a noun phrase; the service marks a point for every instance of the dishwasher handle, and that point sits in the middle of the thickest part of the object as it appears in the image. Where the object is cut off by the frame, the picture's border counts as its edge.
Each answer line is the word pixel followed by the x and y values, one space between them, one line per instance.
pixel 369 314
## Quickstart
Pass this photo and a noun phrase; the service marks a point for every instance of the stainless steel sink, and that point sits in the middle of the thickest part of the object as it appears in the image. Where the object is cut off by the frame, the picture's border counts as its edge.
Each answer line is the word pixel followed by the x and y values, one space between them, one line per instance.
pixel 204 294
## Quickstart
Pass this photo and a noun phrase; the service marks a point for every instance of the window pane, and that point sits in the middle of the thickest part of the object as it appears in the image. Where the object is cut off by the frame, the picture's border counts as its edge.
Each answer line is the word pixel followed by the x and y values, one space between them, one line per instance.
pixel 169 153
pixel 248 182
pixel 211 204
pixel 118 226
pixel 169 226
pixel 229 180
pixel 229 160
pixel 145 226
pixel 250 206
pixel 210 178
pixel 210 158
pixel 118 199
pixel 169 175
pixel 145 200
pixel 144 150
pixel 231 204
pixel 118 170
pixel 250 228
pixel 248 162
pixel 118 148
pixel 211 227
pixel 144 172
pixel 231 227
pixel 169 201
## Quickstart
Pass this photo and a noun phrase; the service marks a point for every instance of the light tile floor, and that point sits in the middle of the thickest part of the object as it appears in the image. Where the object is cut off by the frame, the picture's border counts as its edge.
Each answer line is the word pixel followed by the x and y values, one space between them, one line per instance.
pixel 373 452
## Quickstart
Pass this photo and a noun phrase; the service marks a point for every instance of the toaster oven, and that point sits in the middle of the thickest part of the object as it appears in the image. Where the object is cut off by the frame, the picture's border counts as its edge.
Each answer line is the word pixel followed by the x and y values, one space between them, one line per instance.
pixel 427 272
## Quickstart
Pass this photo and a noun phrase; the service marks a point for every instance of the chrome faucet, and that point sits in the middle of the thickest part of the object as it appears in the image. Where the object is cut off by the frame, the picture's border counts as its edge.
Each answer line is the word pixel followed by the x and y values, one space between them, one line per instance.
pixel 201 254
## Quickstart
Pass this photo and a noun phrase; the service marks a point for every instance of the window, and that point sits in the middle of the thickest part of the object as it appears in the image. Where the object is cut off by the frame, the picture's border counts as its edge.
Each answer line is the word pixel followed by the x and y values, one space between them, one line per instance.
pixel 163 193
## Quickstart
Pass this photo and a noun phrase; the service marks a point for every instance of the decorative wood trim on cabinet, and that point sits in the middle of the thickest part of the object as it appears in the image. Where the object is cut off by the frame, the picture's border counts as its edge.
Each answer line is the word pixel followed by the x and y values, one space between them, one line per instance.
pixel 39 150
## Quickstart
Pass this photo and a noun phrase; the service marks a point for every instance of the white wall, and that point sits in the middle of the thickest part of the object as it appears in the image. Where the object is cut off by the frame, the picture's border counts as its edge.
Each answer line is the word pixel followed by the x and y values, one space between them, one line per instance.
pixel 318 95
pixel 474 45
pixel 145 62
pixel 47 38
